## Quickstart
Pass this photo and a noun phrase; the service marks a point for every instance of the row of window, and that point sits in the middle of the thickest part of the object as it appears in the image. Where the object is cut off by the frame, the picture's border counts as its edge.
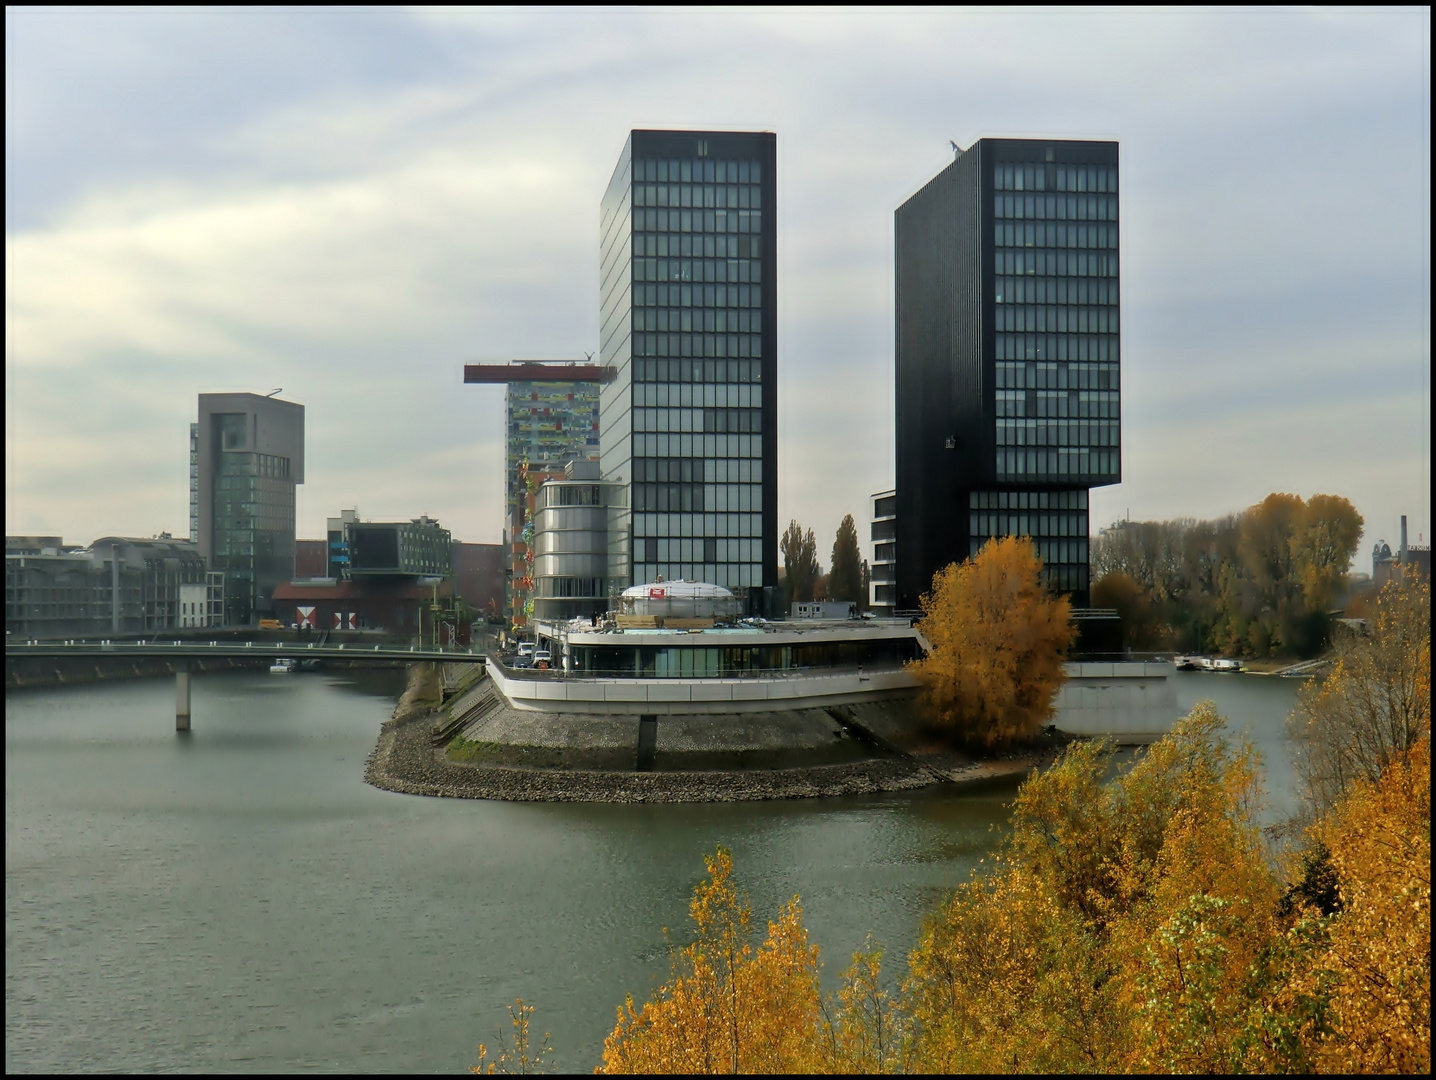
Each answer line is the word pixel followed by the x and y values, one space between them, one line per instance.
pixel 729 575
pixel 1018 235
pixel 565 587
pixel 698 371
pixel 696 470
pixel 1052 552
pixel 697 498
pixel 573 495
pixel 1056 207
pixel 661 661
pixel 719 271
pixel 1029 500
pixel 699 395
pixel 1033 432
pixel 1066 462
pixel 663 245
pixel 1065 577
pixel 1050 375
pixel 697 525
pixel 713 296
pixel 738 346
pixel 704 170
pixel 704 446
pixel 707 549
pixel 1059 404
pixel 1059 348
pixel 699 196
pixel 706 421
pixel 1044 290
pixel 708 320
pixel 1056 263
pixel 1061 319
pixel 1036 525
pixel 1010 176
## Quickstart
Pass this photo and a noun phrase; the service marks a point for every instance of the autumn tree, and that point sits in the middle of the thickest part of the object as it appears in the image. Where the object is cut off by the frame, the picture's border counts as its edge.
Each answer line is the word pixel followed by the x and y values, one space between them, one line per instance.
pixel 727 1007
pixel 845 579
pixel 1373 976
pixel 800 562
pixel 1254 583
pixel 1133 604
pixel 997 641
pixel 1374 702
pixel 1122 928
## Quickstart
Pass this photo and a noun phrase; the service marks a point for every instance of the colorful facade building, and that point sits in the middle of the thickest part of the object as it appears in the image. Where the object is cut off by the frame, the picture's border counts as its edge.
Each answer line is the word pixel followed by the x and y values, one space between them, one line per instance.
pixel 551 418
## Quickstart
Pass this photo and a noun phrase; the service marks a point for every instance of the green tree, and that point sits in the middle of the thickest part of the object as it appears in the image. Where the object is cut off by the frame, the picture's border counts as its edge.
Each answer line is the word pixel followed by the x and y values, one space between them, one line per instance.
pixel 845 579
pixel 800 562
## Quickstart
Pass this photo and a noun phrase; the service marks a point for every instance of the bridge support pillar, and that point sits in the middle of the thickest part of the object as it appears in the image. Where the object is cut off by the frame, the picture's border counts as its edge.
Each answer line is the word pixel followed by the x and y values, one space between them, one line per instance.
pixel 182 696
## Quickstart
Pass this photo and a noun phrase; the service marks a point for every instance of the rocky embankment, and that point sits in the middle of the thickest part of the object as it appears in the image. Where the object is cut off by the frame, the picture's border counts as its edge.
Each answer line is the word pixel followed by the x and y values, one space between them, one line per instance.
pixel 405 760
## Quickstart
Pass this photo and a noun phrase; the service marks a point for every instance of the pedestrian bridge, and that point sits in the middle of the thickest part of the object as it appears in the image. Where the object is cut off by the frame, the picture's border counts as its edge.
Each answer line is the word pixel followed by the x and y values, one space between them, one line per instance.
pixel 241 650
pixel 180 652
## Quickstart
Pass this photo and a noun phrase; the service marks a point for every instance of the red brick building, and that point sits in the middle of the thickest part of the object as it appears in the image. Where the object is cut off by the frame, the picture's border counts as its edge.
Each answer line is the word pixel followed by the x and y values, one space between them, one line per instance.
pixel 478 575
pixel 310 558
pixel 397 606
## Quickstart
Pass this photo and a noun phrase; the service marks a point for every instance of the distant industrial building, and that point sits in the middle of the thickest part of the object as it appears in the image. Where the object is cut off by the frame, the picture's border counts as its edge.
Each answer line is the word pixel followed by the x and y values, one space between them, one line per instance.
pixel 1008 356
pixel 688 320
pixel 117 585
pixel 1384 561
pixel 247 456
pixel 551 418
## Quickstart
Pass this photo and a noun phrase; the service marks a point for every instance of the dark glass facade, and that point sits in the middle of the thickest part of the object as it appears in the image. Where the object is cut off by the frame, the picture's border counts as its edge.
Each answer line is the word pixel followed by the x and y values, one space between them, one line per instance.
pixel 688 309
pixel 1008 356
pixel 250 453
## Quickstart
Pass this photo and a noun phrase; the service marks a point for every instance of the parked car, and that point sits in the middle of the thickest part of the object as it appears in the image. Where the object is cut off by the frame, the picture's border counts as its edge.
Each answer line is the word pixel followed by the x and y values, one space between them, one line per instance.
pixel 543 659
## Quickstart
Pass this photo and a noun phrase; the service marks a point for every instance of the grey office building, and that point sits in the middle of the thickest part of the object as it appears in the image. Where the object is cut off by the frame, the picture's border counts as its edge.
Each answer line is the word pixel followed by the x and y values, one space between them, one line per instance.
pixel 689 312
pixel 248 457
pixel 1008 356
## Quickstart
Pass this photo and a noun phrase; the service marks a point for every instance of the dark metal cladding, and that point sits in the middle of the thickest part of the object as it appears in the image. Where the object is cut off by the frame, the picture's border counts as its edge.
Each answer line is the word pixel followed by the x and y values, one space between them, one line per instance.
pixel 1007 356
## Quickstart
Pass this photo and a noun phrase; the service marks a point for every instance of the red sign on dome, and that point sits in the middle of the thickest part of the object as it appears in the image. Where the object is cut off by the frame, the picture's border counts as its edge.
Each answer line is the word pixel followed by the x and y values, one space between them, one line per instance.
pixel 657 594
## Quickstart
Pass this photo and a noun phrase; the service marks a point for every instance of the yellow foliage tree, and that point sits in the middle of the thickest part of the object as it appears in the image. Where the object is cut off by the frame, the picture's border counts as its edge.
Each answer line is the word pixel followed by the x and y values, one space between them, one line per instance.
pixel 1376 969
pixel 998 638
pixel 727 1007
pixel 1120 926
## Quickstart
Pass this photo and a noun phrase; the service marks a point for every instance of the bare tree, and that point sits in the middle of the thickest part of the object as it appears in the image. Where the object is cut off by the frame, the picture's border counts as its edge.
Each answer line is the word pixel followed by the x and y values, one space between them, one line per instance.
pixel 1375 702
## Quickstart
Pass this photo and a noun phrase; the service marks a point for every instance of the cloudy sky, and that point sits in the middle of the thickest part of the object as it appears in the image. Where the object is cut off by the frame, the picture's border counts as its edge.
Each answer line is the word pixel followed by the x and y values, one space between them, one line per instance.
pixel 351 204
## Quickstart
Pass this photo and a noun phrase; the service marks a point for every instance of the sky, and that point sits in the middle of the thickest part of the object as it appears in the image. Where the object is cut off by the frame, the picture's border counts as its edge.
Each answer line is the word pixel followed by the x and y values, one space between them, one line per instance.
pixel 351 204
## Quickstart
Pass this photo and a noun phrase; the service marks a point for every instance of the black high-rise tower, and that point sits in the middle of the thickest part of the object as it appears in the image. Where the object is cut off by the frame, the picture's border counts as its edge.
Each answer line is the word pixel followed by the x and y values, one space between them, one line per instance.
pixel 1008 359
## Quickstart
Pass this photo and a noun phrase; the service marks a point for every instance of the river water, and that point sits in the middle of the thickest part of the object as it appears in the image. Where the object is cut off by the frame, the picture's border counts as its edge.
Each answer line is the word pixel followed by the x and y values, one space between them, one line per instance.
pixel 240 900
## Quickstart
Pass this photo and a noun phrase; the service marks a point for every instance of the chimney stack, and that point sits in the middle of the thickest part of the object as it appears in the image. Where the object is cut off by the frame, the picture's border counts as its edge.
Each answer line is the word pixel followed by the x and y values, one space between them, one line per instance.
pixel 1403 538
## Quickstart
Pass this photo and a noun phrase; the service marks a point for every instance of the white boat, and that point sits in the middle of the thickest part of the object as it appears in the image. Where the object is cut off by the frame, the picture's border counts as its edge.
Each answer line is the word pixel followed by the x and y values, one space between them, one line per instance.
pixel 1226 665
pixel 283 667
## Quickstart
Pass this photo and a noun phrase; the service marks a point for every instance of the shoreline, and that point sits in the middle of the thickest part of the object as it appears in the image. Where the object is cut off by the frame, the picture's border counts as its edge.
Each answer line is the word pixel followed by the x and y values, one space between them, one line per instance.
pixel 404 760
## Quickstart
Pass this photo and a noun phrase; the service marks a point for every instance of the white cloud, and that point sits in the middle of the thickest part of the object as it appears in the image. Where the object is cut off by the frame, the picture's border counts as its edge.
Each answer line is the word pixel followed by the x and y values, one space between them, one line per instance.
pixel 359 237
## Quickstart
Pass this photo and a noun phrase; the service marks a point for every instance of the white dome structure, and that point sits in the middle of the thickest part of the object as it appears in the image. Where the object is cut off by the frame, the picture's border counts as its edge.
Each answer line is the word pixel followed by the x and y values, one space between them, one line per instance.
pixel 680 600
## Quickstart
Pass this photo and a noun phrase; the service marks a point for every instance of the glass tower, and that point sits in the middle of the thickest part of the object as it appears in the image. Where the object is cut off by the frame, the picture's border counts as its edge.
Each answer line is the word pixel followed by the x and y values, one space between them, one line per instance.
pixel 1008 356
pixel 250 452
pixel 688 319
